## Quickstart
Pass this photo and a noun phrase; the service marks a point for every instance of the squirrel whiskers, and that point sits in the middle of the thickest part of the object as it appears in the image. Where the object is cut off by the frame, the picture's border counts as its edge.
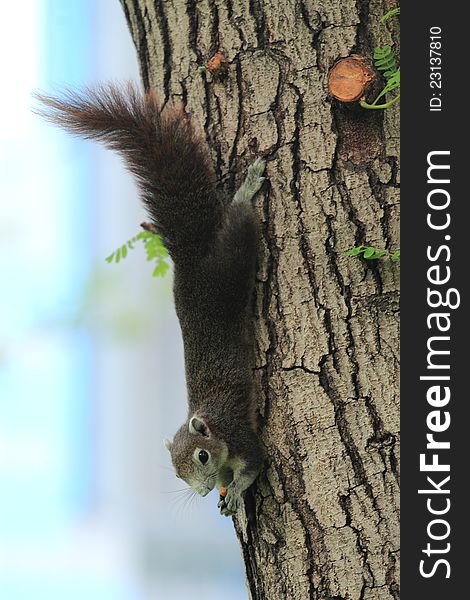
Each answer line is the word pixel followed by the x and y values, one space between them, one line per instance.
pixel 214 247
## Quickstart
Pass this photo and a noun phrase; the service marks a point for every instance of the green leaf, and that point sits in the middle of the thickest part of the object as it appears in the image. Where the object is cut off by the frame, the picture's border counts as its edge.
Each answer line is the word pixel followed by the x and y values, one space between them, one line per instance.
pixel 392 84
pixel 154 249
pixel 382 52
pixel 384 59
pixel 379 253
pixel 390 13
pixel 372 253
pixel 355 251
pixel 160 269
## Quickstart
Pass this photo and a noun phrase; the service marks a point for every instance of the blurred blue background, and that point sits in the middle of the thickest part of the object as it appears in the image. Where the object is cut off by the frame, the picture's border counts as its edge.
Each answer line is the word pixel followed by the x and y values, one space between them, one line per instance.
pixel 91 365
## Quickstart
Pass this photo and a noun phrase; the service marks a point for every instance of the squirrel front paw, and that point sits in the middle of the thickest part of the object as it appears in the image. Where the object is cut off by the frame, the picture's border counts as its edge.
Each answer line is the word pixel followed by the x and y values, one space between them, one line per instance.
pixel 224 511
pixel 230 503
pixel 253 182
pixel 254 179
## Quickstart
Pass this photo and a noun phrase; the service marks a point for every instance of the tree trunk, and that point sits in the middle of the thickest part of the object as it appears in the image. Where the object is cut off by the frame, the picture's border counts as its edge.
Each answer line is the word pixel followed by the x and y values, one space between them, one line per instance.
pixel 322 521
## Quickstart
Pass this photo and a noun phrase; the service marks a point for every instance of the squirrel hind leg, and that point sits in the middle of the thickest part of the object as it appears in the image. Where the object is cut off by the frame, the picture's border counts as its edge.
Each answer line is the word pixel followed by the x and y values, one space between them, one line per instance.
pixel 234 257
pixel 253 182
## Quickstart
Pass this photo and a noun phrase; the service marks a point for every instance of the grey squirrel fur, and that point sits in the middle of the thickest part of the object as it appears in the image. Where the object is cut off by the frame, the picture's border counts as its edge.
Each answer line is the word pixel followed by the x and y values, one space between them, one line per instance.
pixel 214 247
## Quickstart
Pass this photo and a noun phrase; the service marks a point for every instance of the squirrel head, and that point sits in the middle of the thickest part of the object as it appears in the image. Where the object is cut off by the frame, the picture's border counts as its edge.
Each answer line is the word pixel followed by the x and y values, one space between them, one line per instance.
pixel 198 457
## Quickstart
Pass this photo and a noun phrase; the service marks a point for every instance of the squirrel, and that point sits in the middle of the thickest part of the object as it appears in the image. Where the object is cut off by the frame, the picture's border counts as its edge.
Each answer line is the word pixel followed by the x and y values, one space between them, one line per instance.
pixel 214 248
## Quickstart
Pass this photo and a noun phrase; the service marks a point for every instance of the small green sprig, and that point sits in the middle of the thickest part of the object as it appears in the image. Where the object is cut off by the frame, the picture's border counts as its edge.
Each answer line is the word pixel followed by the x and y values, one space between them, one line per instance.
pixel 386 62
pixel 390 13
pixel 372 253
pixel 153 246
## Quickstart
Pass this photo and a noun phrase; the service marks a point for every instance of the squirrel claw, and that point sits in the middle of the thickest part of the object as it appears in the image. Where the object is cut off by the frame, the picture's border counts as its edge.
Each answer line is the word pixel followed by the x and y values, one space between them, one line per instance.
pixel 253 182
pixel 255 172
pixel 229 505
pixel 224 511
pixel 232 499
pixel 258 166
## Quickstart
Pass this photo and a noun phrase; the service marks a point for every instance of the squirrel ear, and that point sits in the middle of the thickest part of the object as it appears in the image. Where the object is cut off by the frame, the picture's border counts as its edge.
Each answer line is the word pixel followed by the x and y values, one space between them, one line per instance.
pixel 198 426
pixel 167 443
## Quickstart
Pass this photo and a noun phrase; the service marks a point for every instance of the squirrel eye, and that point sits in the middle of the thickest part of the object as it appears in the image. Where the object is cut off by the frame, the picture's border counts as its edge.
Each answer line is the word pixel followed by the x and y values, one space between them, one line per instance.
pixel 203 456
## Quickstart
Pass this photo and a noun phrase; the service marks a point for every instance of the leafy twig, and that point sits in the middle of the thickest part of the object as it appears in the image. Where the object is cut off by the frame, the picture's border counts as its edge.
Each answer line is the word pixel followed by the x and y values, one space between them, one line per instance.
pixel 391 13
pixel 386 62
pixel 153 246
pixel 372 253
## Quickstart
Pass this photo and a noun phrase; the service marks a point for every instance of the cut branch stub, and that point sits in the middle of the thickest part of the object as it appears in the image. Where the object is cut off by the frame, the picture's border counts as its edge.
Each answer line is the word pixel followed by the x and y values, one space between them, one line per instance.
pixel 349 78
pixel 218 65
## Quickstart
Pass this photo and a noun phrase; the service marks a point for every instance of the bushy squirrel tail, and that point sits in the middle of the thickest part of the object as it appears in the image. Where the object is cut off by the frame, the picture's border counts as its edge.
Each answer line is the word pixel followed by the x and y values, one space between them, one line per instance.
pixel 170 162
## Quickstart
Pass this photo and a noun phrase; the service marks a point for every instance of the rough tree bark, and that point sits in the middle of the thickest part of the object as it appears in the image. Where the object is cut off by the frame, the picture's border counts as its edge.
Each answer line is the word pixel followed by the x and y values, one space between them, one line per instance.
pixel 322 521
